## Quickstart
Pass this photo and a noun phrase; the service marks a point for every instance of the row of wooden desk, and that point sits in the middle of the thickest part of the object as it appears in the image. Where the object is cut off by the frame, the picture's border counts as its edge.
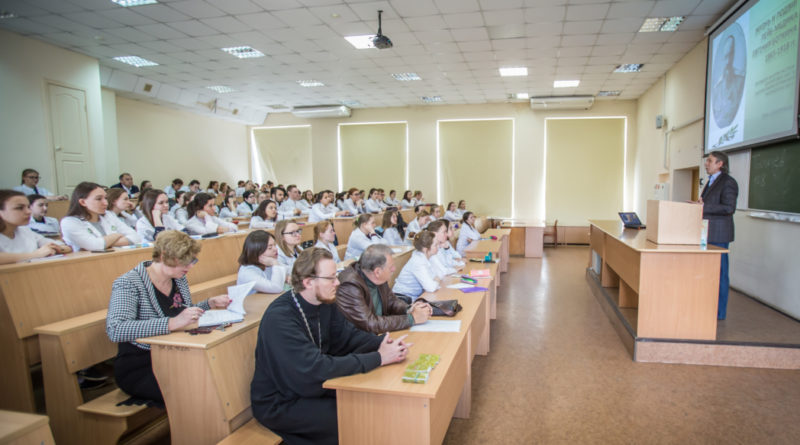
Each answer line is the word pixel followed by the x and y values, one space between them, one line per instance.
pixel 206 379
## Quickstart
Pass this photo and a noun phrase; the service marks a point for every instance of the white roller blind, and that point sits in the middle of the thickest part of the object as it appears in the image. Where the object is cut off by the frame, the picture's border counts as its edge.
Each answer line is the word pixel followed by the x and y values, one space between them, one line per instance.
pixel 476 164
pixel 374 155
pixel 285 155
pixel 585 169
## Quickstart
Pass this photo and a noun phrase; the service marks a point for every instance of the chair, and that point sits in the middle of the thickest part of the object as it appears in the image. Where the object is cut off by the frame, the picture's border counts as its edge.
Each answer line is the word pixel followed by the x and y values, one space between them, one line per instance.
pixel 552 232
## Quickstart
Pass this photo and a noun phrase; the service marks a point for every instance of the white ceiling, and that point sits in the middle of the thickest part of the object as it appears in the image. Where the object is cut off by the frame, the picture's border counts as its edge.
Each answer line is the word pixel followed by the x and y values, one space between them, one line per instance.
pixel 456 46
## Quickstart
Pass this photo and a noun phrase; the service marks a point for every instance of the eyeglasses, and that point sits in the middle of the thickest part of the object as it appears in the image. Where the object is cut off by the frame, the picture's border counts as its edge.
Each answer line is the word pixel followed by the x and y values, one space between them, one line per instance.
pixel 296 232
pixel 32 177
pixel 325 278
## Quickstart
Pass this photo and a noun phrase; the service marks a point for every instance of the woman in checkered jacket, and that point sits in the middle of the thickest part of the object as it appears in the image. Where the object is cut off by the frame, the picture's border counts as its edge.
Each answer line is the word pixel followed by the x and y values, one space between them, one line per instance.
pixel 153 299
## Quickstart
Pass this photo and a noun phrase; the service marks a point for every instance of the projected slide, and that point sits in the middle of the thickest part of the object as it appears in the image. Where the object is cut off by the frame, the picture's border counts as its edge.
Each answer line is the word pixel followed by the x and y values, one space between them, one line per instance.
pixel 752 76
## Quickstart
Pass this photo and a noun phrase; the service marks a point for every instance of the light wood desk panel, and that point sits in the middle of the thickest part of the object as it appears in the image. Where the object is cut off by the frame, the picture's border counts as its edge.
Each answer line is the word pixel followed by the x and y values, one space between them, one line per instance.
pixel 674 287
pixel 24 429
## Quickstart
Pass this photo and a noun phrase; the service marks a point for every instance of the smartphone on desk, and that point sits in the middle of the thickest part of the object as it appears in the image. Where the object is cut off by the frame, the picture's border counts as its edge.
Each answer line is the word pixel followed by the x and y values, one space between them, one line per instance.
pixel 210 235
pixel 102 251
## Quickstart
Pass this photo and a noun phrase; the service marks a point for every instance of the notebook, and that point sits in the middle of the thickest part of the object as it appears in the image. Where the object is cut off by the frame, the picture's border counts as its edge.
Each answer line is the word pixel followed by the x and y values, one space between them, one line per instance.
pixel 631 220
pixel 235 311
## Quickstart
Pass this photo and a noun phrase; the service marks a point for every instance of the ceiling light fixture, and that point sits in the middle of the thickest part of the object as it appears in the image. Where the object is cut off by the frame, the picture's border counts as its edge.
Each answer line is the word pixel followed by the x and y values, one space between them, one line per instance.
pixel 136 61
pixel 431 99
pixel 609 93
pixel 666 24
pixel 522 95
pixel 132 3
pixel 514 71
pixel 350 103
pixel 7 15
pixel 221 89
pixel 566 83
pixel 243 52
pixel 406 77
pixel 310 83
pixel 629 68
pixel 361 42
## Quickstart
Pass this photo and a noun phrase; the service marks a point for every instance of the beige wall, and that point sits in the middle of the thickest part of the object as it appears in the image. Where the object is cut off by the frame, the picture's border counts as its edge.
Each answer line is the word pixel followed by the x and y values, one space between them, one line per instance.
pixel 159 144
pixel 764 256
pixel 283 156
pixel 26 66
pixel 528 135
pixel 365 146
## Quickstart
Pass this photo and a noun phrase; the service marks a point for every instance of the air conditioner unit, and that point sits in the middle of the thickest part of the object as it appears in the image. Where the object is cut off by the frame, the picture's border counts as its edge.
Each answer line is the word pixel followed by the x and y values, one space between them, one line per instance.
pixel 316 111
pixel 562 102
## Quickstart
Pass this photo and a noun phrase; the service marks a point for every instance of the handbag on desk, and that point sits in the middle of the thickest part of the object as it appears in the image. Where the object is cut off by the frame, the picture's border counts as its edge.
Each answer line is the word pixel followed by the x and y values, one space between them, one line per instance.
pixel 443 308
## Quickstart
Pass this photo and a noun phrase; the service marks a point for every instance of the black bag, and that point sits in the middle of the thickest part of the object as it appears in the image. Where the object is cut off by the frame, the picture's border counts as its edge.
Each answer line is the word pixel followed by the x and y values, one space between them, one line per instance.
pixel 443 308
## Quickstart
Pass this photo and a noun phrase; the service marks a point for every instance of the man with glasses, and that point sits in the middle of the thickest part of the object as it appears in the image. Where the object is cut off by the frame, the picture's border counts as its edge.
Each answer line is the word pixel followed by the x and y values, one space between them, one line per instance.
pixel 304 340
pixel 30 186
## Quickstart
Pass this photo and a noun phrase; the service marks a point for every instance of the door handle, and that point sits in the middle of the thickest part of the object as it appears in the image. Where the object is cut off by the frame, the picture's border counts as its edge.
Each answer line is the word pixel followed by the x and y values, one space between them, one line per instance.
pixel 58 148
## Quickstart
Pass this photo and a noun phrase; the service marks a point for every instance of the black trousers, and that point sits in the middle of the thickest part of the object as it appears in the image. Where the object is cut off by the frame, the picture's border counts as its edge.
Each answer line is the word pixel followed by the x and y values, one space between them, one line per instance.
pixel 133 371
pixel 305 422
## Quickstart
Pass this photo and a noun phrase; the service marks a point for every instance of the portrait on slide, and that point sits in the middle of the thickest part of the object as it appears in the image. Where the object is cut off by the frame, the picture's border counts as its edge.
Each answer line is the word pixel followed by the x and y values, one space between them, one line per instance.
pixel 728 75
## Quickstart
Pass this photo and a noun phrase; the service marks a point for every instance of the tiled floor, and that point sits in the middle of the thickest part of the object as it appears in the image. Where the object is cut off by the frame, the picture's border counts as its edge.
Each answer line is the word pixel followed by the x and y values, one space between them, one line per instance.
pixel 558 373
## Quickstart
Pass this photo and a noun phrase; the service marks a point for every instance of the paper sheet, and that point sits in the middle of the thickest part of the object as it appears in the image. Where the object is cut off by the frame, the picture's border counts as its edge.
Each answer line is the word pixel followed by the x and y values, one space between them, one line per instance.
pixel 460 286
pixel 438 326
pixel 235 311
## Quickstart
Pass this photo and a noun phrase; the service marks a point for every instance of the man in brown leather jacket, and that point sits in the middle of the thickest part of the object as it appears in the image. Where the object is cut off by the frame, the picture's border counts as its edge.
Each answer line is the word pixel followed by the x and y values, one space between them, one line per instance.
pixel 365 298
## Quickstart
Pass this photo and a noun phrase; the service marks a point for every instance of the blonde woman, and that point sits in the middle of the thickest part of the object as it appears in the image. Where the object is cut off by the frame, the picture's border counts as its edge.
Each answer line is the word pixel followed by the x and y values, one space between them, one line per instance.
pixel 287 235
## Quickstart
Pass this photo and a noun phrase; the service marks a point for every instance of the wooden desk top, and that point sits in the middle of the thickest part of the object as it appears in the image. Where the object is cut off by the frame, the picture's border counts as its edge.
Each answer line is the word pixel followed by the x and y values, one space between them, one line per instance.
pixel 499 233
pixel 14 425
pixel 522 223
pixel 484 246
pixel 255 305
pixel 388 379
pixel 637 239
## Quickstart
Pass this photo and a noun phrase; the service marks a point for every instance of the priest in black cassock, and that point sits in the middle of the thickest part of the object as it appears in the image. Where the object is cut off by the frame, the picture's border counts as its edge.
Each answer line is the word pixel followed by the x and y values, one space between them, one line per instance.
pixel 304 340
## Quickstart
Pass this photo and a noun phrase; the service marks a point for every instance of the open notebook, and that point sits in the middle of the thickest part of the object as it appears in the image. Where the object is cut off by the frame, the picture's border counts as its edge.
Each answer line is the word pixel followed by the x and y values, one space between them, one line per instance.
pixel 235 311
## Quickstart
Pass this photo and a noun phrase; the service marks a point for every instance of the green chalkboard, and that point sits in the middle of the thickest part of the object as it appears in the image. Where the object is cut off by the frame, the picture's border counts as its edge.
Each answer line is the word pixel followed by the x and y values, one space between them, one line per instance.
pixel 775 177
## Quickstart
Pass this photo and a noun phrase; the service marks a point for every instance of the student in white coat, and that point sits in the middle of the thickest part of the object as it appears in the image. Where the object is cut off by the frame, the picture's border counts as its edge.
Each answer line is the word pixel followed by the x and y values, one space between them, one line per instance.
pixel 408 201
pixel 259 263
pixel 448 253
pixel 363 236
pixel 462 207
pixel 30 186
pixel 451 214
pixel 468 232
pixel 389 226
pixel 156 217
pixel 248 206
pixel 17 242
pixel 40 222
pixel 354 204
pixel 323 209
pixel 419 275
pixel 202 217
pixel 417 225
pixel 392 200
pixel 324 236
pixel 293 206
pixel 88 226
pixel 265 216
pixel 288 236
pixel 373 204
pixel 119 203
pixel 441 261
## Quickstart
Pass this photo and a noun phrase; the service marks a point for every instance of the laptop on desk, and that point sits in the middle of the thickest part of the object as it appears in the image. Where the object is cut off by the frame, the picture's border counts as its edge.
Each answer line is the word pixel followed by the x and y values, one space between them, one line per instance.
pixel 631 220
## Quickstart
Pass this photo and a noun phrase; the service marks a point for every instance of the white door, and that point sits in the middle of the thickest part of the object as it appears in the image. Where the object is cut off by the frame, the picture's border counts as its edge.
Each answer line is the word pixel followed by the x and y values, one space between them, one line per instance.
pixel 69 125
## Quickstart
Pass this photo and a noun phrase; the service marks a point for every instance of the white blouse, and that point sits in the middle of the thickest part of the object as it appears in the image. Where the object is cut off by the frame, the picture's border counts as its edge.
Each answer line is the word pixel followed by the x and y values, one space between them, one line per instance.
pixel 405 204
pixel 48 225
pixel 257 222
pixel 392 236
pixel 225 212
pixel 128 219
pixel 288 206
pixel 209 224
pixel 413 227
pixel 81 234
pixel 453 216
pixel 181 215
pixel 288 260
pixel 351 207
pixel 268 281
pixel 245 209
pixel 417 276
pixel 358 242
pixel 146 230
pixel 467 235
pixel 320 213
pixel 330 248
pixel 373 206
pixel 25 241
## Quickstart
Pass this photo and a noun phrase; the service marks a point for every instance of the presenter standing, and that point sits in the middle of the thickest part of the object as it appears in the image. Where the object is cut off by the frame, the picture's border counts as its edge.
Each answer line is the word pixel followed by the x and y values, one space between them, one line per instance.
pixel 719 203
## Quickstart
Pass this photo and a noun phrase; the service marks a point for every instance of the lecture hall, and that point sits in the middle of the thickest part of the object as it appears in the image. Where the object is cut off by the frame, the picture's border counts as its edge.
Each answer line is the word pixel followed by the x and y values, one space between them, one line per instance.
pixel 399 221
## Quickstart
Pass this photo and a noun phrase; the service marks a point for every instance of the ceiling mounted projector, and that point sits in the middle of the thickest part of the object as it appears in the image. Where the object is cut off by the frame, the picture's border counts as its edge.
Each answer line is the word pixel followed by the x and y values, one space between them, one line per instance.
pixel 380 41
